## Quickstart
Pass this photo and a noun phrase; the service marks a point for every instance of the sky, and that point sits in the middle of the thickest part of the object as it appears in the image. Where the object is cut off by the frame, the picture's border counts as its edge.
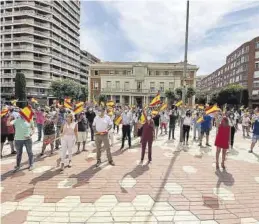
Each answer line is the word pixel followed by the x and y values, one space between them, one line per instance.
pixel 154 31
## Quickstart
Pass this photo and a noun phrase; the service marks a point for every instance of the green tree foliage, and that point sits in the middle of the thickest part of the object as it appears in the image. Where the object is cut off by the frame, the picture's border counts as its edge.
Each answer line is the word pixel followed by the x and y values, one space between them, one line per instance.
pixel 84 93
pixel 190 92
pixel 214 99
pixel 20 90
pixel 68 88
pixel 179 92
pixel 200 99
pixel 102 98
pixel 170 96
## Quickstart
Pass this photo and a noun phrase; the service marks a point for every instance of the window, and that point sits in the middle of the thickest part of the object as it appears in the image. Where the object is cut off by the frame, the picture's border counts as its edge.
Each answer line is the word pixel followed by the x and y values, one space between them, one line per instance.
pixel 257 54
pixel 108 84
pixel 111 72
pixel 96 85
pixel 124 72
pixel 152 86
pixel 116 72
pixel 117 85
pixel 129 72
pixel 256 74
pixel 96 72
pixel 157 72
pixel 166 73
pixel 257 45
pixel 256 84
pixel 257 65
pixel 126 86
pixel 162 86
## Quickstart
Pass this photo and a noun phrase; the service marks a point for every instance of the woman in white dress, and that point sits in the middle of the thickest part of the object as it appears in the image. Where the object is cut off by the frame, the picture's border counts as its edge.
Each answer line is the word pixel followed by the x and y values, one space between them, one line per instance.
pixel 69 136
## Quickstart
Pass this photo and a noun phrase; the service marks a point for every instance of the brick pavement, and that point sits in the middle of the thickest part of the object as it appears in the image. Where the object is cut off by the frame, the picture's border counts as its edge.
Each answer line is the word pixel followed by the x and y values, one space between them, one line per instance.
pixel 180 186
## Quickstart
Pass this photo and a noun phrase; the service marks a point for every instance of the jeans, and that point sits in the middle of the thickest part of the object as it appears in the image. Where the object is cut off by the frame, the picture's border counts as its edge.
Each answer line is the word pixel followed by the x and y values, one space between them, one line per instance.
pixel 92 131
pixel 186 131
pixel 126 132
pixel 19 149
pixel 144 145
pixel 233 130
pixel 171 131
pixel 40 128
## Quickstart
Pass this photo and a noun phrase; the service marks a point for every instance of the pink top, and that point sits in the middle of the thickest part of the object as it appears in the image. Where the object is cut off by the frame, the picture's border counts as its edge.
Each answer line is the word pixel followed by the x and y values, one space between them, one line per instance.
pixel 68 129
pixel 39 117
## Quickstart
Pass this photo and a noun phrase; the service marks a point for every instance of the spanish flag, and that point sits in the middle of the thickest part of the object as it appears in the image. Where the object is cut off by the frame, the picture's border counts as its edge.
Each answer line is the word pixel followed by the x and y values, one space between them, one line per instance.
pixel 142 119
pixel 94 101
pixel 199 120
pixel 79 108
pixel 155 101
pixel 110 104
pixel 212 109
pixel 27 113
pixel 179 103
pixel 33 100
pixel 67 104
pixel 154 112
pixel 4 112
pixel 118 120
pixel 102 104
pixel 13 102
pixel 201 107
pixel 163 107
pixel 68 100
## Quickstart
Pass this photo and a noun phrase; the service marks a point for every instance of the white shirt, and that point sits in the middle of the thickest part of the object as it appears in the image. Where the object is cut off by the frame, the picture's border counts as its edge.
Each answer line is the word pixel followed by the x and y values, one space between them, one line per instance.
pixel 102 123
pixel 187 121
pixel 127 118
pixel 231 122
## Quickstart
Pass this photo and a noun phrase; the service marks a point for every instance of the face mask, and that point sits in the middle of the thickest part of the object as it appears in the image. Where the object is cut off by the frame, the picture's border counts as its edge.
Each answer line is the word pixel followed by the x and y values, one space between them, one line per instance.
pixel 148 118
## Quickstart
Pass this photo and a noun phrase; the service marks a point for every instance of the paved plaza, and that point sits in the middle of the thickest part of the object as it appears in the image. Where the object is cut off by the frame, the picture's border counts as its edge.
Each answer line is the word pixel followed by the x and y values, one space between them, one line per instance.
pixel 180 186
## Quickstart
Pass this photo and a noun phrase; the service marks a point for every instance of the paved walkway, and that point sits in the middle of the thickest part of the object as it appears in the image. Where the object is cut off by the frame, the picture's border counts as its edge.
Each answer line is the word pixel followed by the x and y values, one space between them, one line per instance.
pixel 180 186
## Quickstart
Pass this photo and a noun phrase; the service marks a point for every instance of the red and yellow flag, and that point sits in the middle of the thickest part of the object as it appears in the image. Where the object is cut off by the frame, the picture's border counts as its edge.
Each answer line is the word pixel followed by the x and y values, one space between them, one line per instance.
pixel 200 119
pixel 110 104
pixel 79 108
pixel 212 109
pixel 179 103
pixel 155 101
pixel 13 102
pixel 118 120
pixel 163 107
pixel 27 113
pixel 154 112
pixel 142 119
pixel 4 112
pixel 33 100
pixel 67 103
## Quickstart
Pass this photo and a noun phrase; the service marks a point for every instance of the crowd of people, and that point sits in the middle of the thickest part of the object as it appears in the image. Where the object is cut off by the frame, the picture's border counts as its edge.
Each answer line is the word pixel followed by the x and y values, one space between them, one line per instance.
pixel 60 128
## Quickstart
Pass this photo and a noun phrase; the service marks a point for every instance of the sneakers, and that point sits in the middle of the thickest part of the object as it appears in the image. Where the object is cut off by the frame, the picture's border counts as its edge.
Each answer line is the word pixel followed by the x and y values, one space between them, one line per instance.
pixel 98 163
pixel 16 168
pixel 31 168
pixel 112 163
pixel 70 164
pixel 13 152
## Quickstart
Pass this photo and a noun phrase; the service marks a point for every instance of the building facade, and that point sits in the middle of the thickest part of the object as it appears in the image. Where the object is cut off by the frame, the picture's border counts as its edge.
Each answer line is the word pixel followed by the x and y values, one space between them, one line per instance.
pixel 41 40
pixel 136 83
pixel 198 82
pixel 241 67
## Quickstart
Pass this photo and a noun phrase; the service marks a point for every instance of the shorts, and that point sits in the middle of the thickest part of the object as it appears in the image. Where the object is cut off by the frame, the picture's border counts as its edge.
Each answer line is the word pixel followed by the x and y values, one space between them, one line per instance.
pixel 9 137
pixel 81 136
pixel 255 138
pixel 47 139
pixel 205 131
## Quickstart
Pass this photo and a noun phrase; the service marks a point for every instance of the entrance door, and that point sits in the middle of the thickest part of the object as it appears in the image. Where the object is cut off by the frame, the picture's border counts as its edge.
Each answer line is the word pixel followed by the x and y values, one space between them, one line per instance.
pixel 139 86
pixel 139 101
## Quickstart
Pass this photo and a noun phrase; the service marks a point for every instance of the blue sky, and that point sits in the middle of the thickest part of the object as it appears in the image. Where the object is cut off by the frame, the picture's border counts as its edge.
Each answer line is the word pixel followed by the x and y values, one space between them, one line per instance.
pixel 154 30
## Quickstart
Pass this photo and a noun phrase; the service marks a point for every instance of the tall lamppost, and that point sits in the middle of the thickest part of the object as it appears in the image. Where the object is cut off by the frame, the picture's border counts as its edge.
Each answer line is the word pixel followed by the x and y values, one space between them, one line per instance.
pixel 185 67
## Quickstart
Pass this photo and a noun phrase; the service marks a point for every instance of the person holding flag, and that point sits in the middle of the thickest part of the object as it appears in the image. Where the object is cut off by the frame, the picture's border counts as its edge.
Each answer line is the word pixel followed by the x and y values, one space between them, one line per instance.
pixel 24 129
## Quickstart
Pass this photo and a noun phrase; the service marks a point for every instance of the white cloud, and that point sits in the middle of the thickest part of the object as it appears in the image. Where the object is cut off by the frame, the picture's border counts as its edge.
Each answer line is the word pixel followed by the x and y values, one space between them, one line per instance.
pixel 156 29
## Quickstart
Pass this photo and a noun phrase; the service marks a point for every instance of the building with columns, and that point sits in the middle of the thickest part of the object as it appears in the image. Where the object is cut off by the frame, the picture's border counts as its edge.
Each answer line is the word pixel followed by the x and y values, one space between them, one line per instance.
pixel 136 83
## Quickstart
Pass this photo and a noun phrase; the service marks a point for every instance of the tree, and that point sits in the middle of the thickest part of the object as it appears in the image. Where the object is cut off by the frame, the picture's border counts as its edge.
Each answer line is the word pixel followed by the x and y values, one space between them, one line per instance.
pixel 179 92
pixel 84 93
pixel 102 98
pixel 200 98
pixel 190 92
pixel 170 96
pixel 20 90
pixel 214 99
pixel 66 88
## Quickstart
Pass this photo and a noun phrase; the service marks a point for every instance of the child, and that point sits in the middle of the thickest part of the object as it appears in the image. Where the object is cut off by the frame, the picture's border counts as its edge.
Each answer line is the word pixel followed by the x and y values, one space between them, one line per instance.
pixel 222 141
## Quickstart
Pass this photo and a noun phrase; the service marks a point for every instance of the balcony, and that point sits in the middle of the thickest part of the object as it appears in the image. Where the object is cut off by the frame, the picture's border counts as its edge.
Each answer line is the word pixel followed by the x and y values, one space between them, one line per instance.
pixel 7 84
pixel 8 75
pixel 132 91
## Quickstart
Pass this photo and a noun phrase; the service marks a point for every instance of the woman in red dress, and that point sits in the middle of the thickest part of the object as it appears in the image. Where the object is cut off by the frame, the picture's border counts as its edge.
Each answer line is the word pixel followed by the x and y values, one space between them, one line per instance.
pixel 222 141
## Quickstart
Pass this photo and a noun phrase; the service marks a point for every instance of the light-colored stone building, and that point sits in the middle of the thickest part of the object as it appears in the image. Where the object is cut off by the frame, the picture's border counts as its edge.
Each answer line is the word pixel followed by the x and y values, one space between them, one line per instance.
pixel 137 82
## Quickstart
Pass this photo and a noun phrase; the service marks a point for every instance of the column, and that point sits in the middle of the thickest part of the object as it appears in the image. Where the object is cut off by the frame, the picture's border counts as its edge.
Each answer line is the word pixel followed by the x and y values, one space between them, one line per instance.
pixel 130 102
pixel 120 99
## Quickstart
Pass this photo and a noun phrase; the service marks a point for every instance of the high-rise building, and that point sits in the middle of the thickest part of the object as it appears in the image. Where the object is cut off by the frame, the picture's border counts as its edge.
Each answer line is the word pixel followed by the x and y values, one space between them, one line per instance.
pixel 137 82
pixel 41 40
pixel 241 67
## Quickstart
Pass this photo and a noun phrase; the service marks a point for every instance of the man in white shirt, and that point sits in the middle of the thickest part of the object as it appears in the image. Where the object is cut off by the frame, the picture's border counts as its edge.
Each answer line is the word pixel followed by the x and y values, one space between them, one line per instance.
pixel 102 124
pixel 127 119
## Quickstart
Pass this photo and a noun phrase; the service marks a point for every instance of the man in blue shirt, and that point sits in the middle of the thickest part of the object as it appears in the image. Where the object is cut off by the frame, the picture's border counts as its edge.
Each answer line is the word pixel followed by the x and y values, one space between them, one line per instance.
pixel 255 137
pixel 205 128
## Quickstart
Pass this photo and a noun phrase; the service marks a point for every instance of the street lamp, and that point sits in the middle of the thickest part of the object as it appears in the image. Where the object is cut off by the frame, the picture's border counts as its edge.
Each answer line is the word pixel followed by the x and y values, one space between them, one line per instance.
pixel 185 68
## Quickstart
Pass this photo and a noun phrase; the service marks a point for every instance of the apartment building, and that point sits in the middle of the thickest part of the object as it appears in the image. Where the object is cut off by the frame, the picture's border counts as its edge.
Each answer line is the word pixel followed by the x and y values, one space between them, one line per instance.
pixel 41 40
pixel 85 60
pixel 137 82
pixel 241 67
pixel 198 82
